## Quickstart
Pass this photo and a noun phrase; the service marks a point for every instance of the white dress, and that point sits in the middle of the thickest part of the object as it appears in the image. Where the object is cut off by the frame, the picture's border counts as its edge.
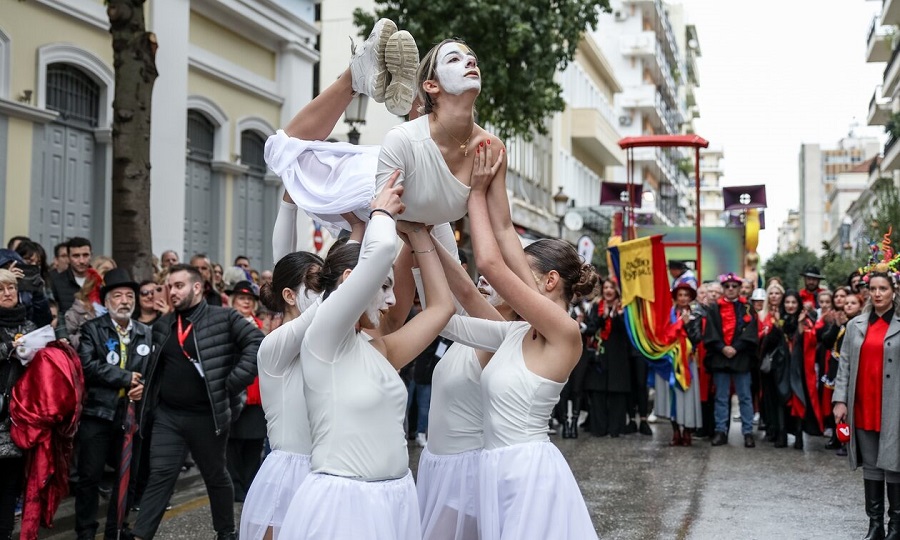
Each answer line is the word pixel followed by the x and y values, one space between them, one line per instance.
pixel 283 400
pixel 360 486
pixel 527 490
pixel 447 480
pixel 328 179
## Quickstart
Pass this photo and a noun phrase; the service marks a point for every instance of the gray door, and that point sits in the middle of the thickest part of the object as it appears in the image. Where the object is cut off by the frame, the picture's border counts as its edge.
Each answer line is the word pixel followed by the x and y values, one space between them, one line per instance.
pixel 198 192
pixel 66 176
pixel 252 234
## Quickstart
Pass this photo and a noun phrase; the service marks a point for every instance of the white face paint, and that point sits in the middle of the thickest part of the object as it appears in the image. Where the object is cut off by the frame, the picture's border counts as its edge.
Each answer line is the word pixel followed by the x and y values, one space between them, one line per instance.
pixel 305 298
pixel 457 69
pixel 382 300
pixel 488 292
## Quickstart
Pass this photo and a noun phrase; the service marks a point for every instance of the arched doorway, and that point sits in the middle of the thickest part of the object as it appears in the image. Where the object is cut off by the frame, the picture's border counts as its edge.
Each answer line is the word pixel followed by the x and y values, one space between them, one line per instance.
pixel 70 197
pixel 251 236
pixel 198 206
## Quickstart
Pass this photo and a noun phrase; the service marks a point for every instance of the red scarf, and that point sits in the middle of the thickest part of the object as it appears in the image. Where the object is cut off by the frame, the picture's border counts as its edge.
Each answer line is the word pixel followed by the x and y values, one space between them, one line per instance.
pixel 810 297
pixel 607 322
pixel 728 313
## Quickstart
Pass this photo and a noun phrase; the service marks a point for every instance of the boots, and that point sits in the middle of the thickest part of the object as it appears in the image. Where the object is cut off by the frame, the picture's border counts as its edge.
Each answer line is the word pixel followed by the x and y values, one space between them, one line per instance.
pixel 570 426
pixel 781 439
pixel 893 530
pixel 686 438
pixel 677 439
pixel 874 490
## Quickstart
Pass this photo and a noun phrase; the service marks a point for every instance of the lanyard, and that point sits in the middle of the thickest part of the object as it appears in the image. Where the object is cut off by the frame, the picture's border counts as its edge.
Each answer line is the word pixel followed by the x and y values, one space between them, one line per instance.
pixel 182 337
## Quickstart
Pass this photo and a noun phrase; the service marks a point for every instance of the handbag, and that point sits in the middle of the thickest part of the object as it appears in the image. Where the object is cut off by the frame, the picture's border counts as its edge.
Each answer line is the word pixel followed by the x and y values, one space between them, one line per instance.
pixel 765 366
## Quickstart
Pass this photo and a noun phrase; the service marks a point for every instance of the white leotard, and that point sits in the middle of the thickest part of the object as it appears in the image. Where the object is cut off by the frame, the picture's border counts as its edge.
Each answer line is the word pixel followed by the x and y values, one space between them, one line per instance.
pixel 355 398
pixel 281 385
pixel 431 193
pixel 455 421
pixel 517 402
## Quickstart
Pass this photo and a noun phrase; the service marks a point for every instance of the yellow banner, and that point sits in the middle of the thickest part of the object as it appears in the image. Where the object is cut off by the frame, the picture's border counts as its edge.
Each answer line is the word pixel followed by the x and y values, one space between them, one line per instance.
pixel 636 270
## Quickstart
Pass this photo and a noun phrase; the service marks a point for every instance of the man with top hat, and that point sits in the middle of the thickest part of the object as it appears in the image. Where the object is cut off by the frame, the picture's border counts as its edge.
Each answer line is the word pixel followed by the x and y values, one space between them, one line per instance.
pixel 731 340
pixel 113 351
pixel 811 289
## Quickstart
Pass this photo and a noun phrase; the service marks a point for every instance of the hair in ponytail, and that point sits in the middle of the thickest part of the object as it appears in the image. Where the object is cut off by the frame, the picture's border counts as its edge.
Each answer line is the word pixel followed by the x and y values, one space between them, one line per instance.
pixel 579 279
pixel 291 272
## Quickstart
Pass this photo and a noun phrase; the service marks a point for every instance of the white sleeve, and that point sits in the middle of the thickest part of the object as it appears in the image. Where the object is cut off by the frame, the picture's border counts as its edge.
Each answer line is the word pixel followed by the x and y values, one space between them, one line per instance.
pixel 282 347
pixel 284 237
pixel 443 233
pixel 396 153
pixel 476 333
pixel 338 314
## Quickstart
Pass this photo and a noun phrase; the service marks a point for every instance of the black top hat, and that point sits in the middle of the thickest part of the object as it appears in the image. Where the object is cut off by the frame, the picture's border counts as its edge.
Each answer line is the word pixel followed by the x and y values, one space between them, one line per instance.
pixel 675 264
pixel 812 272
pixel 115 278
pixel 243 287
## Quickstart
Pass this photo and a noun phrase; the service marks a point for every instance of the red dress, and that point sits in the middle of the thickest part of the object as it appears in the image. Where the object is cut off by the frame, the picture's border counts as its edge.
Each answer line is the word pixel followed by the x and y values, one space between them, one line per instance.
pixel 867 408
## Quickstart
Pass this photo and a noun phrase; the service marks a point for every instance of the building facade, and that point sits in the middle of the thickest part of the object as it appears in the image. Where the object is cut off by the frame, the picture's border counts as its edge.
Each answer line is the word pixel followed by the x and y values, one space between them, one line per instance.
pixel 789 233
pixel 230 73
pixel 712 203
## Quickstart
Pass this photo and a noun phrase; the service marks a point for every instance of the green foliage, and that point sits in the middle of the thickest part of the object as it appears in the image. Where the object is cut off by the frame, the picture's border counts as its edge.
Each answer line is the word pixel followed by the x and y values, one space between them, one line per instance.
pixel 892 127
pixel 885 213
pixel 789 265
pixel 837 267
pixel 520 47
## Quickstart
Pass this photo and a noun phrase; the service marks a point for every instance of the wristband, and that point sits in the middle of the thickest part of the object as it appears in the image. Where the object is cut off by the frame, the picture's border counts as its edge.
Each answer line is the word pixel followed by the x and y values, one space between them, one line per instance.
pixel 423 252
pixel 383 211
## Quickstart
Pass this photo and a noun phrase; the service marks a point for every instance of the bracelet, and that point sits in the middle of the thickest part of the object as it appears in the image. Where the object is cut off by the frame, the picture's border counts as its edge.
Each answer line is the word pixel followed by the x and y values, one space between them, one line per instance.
pixel 383 211
pixel 423 252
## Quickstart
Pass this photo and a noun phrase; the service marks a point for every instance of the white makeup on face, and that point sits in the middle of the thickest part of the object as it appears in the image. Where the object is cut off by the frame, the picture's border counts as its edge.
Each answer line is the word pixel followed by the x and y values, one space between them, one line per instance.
pixel 305 298
pixel 492 297
pixel 454 62
pixel 383 299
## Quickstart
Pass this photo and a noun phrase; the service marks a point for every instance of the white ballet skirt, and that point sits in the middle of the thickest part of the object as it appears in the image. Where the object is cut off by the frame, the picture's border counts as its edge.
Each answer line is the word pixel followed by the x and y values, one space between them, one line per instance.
pixel 528 493
pixel 335 508
pixel 271 493
pixel 448 495
pixel 327 179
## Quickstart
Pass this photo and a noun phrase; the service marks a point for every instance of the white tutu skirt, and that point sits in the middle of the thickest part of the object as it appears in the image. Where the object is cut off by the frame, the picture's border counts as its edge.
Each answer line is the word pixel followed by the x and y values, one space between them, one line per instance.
pixel 271 493
pixel 528 493
pixel 325 179
pixel 448 495
pixel 330 507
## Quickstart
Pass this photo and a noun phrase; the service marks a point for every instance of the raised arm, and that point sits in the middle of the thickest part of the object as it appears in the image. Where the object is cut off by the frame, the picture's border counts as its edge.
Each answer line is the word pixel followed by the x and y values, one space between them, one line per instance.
pixel 464 290
pixel 501 220
pixel 405 344
pixel 404 293
pixel 554 324
pixel 282 347
pixel 284 235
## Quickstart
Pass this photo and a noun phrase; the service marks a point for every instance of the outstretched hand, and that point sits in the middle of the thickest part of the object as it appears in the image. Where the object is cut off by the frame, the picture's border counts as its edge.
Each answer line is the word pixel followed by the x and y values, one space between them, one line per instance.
pixel 485 167
pixel 389 198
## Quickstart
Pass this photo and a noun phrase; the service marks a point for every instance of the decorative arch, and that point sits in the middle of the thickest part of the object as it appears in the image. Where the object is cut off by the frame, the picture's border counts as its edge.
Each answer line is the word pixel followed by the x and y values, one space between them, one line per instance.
pixel 5 63
pixel 87 61
pixel 251 123
pixel 217 116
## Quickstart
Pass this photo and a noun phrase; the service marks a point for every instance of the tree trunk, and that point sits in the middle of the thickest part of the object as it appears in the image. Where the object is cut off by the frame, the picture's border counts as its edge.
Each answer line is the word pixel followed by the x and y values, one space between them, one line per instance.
pixel 134 60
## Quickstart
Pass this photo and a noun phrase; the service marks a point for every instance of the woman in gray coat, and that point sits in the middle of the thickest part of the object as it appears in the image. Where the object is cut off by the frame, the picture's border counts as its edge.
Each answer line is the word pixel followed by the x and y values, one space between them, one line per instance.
pixel 867 396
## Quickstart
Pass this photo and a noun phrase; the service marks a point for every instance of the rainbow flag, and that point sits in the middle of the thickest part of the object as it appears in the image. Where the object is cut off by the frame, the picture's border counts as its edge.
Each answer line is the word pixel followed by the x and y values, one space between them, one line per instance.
pixel 653 327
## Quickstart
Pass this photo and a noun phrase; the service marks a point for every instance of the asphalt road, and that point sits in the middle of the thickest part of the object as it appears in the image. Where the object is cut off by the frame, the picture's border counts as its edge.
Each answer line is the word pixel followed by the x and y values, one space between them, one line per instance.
pixel 637 487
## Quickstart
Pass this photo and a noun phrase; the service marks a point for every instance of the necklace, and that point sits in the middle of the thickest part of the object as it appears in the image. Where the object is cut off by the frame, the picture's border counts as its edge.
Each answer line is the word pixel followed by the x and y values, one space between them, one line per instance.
pixel 463 145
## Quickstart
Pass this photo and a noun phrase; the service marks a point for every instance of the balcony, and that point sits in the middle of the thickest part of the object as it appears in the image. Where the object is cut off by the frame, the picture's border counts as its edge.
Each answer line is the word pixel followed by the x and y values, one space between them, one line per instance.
pixel 892 72
pixel 577 180
pixel 879 109
pixel 646 99
pixel 878 42
pixel 658 163
pixel 890 12
pixel 891 155
pixel 593 132
pixel 641 45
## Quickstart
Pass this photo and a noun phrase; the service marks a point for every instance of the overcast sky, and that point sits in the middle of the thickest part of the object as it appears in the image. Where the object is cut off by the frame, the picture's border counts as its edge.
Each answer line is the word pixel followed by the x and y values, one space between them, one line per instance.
pixel 775 74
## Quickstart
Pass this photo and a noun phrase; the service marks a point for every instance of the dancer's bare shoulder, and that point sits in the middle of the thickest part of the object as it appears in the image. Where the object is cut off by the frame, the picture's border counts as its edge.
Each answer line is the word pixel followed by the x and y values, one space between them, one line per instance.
pixel 482 135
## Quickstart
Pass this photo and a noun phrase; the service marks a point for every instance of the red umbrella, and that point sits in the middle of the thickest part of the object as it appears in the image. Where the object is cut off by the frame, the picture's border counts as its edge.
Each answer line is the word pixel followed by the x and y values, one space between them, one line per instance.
pixel 129 427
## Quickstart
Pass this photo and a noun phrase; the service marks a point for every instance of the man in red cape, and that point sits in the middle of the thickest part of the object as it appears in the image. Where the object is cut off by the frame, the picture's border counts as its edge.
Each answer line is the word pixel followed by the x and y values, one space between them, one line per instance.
pixel 44 409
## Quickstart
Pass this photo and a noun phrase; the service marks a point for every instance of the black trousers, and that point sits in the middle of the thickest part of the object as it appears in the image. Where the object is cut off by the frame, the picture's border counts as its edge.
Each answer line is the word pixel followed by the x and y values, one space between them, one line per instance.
pixel 174 434
pixel 607 413
pixel 12 475
pixel 99 443
pixel 638 399
pixel 244 460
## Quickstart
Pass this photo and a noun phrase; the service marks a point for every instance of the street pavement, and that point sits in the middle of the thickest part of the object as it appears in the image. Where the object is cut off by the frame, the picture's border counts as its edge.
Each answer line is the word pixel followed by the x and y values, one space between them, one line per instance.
pixel 637 487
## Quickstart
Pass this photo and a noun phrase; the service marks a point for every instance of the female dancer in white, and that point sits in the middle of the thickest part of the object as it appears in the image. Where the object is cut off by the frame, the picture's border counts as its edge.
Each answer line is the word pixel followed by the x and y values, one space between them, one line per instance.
pixel 527 490
pixel 281 385
pixel 435 152
pixel 360 486
pixel 447 479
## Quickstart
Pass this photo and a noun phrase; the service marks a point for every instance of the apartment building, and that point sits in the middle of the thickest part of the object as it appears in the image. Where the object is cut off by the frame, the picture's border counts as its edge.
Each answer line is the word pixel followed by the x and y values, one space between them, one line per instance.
pixel 712 203
pixel 230 73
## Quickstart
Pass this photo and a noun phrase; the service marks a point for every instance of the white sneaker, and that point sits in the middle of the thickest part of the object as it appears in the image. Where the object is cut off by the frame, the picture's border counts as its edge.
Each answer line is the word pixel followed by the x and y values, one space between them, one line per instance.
pixel 369 74
pixel 421 440
pixel 755 418
pixel 652 418
pixel 401 57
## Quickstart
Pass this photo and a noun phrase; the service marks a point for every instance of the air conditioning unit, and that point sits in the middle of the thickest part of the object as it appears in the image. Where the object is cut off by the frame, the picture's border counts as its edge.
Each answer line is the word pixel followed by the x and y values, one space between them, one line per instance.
pixel 620 16
pixel 625 121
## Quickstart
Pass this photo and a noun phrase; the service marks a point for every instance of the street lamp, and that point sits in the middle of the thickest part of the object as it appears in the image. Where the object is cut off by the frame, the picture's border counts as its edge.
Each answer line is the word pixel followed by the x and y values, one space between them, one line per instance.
pixel 356 114
pixel 560 204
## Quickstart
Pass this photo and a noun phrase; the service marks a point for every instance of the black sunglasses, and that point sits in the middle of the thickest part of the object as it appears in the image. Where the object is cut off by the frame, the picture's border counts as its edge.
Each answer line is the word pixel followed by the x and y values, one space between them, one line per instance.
pixel 730 286
pixel 148 292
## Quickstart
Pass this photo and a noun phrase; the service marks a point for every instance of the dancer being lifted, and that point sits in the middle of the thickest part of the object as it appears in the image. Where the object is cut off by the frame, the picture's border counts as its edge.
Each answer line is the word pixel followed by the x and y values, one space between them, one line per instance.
pixel 435 153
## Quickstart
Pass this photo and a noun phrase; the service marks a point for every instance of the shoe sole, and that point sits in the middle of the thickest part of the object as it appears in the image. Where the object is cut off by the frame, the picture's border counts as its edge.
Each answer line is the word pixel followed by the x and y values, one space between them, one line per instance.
pixel 401 56
pixel 382 77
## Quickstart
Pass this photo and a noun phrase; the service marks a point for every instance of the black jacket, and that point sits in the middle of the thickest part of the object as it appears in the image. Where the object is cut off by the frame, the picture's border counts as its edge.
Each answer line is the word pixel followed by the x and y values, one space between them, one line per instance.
pixel 64 288
pixel 226 346
pixel 745 339
pixel 103 378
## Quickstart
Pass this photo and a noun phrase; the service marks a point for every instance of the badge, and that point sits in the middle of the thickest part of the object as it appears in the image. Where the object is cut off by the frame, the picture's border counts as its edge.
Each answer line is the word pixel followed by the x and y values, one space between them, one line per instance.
pixel 143 349
pixel 112 358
